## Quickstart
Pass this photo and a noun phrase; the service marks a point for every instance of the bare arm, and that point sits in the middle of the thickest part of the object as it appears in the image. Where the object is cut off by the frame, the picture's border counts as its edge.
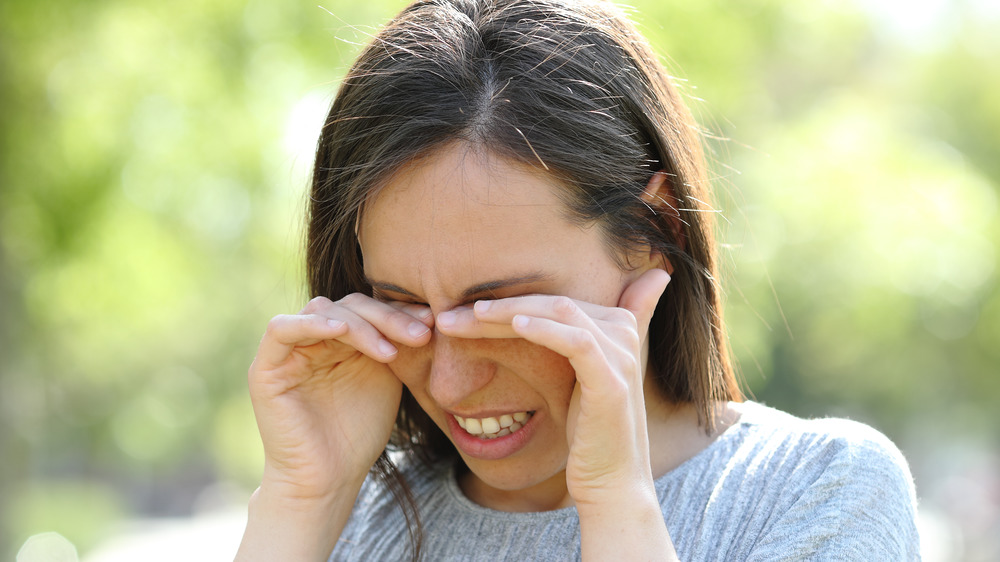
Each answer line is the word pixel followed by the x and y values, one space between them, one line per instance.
pixel 280 528
pixel 629 526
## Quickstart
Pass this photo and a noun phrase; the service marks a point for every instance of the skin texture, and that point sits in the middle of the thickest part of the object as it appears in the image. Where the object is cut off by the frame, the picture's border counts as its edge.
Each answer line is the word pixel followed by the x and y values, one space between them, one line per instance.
pixel 459 220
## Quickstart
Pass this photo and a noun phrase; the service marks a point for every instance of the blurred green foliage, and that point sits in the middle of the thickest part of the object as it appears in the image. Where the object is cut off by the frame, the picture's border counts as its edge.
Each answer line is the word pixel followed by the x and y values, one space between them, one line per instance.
pixel 153 161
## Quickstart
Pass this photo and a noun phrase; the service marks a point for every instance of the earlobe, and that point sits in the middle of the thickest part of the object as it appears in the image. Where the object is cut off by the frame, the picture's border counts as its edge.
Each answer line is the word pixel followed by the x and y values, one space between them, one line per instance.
pixel 660 198
pixel 660 261
pixel 666 265
pixel 648 259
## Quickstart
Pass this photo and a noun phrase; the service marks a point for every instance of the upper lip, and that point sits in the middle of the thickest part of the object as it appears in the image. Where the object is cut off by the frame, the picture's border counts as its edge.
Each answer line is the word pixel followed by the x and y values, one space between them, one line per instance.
pixel 491 413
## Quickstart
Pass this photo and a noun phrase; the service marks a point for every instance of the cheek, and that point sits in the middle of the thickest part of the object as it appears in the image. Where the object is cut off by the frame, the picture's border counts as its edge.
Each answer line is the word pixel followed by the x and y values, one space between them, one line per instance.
pixel 531 369
pixel 411 365
pixel 521 367
pixel 549 374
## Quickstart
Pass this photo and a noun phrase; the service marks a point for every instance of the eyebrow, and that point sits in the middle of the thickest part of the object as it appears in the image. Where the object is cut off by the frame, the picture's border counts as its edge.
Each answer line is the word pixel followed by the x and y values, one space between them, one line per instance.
pixel 468 294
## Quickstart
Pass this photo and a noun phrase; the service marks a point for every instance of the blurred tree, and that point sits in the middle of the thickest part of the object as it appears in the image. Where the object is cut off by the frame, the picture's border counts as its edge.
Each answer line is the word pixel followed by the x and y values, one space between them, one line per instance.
pixel 153 160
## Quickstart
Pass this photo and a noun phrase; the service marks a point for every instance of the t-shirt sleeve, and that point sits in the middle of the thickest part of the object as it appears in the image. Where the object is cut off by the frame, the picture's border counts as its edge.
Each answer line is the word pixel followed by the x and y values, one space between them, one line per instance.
pixel 857 502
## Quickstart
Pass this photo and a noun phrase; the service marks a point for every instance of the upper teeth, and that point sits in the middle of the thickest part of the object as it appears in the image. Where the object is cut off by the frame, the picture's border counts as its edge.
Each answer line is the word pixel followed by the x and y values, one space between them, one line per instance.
pixel 493 427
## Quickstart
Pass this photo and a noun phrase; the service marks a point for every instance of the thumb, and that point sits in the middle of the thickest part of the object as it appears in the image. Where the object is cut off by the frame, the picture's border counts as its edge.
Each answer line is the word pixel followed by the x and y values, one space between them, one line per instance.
pixel 641 296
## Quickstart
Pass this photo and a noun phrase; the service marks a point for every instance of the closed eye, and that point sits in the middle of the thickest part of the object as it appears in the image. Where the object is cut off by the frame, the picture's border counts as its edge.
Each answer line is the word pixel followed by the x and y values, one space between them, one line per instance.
pixel 382 297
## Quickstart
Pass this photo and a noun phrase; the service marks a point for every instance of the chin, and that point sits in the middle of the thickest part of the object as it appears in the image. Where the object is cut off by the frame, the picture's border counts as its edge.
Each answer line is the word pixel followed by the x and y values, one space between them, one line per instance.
pixel 513 478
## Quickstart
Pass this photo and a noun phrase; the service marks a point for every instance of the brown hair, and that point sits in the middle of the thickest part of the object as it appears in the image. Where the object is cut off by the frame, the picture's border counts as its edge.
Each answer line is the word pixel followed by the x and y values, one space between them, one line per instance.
pixel 569 87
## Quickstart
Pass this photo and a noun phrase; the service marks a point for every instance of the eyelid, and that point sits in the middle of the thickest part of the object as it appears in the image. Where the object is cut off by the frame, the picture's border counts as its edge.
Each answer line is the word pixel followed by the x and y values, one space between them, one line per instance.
pixel 491 295
pixel 380 297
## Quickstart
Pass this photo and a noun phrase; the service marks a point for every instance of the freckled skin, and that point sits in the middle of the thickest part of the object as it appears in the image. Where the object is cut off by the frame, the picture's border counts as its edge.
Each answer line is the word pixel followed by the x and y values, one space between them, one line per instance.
pixel 459 218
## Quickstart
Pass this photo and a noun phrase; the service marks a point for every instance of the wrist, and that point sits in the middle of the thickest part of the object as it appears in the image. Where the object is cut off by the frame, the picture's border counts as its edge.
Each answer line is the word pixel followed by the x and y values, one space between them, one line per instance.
pixel 283 526
pixel 623 501
pixel 620 489
pixel 628 526
pixel 304 487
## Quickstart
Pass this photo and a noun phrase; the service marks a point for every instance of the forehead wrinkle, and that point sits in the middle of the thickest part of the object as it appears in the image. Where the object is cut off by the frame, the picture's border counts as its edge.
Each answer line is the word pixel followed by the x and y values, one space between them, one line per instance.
pixel 444 208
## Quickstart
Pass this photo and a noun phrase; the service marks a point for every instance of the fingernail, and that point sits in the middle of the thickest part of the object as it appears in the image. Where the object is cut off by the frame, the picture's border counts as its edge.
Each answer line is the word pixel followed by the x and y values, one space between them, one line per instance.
pixel 446 319
pixel 416 329
pixel 483 306
pixel 386 348
pixel 335 324
pixel 520 321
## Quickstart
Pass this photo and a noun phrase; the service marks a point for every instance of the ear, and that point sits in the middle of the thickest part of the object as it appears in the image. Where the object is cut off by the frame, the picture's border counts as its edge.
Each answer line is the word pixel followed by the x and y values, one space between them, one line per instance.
pixel 660 198
pixel 651 260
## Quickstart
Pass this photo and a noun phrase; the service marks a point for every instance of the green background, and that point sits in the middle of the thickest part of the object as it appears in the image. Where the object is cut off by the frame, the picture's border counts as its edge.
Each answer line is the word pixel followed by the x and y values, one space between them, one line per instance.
pixel 153 164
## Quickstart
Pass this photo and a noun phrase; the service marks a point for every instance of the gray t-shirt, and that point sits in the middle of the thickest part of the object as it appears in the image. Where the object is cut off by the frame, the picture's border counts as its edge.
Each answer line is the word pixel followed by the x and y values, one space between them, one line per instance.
pixel 771 487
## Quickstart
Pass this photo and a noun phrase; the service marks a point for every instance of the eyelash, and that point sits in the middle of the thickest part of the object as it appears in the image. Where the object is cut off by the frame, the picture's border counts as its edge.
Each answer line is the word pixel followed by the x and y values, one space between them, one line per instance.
pixel 377 295
pixel 382 298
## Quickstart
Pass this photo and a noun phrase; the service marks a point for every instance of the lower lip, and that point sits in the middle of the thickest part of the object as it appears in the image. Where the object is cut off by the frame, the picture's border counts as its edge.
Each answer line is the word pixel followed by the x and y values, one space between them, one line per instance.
pixel 491 449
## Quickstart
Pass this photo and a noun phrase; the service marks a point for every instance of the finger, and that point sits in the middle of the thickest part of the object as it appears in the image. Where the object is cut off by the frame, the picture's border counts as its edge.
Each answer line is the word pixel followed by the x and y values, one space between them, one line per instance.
pixel 580 346
pixel 555 307
pixel 285 332
pixel 494 323
pixel 421 312
pixel 642 295
pixel 492 318
pixel 461 322
pixel 398 322
pixel 364 337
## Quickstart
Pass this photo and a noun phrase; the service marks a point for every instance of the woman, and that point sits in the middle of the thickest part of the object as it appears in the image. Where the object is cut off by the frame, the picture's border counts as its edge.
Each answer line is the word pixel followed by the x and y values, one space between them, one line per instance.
pixel 516 294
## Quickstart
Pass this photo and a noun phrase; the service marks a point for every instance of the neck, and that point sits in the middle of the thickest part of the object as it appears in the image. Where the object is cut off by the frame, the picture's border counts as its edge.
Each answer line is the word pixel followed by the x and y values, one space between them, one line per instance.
pixel 545 496
pixel 675 436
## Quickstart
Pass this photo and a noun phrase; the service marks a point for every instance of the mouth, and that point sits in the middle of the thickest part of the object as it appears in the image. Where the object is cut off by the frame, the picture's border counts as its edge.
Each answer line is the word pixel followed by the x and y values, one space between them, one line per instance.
pixel 494 427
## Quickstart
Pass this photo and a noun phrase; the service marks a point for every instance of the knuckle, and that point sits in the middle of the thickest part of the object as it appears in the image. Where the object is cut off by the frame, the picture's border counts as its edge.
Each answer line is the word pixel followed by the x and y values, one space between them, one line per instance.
pixel 630 364
pixel 563 307
pixel 625 317
pixel 316 303
pixel 351 299
pixel 275 324
pixel 582 341
pixel 618 388
pixel 628 337
pixel 397 316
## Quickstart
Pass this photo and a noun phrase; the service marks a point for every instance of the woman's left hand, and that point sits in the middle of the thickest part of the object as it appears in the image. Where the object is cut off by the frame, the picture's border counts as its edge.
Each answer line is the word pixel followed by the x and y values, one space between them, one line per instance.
pixel 606 426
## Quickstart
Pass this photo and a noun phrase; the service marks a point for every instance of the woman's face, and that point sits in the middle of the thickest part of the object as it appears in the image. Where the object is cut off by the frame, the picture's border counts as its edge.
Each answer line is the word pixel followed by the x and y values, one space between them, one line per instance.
pixel 459 226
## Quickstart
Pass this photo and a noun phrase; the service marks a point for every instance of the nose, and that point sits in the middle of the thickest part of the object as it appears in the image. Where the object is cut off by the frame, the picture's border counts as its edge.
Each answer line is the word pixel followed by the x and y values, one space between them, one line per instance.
pixel 458 370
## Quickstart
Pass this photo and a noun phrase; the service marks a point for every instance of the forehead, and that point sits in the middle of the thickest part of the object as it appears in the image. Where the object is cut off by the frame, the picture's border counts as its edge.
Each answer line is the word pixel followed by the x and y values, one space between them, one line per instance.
pixel 459 217
pixel 462 173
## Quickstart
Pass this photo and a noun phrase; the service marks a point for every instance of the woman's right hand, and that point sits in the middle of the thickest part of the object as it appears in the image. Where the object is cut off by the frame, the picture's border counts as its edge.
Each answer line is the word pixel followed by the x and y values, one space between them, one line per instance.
pixel 323 395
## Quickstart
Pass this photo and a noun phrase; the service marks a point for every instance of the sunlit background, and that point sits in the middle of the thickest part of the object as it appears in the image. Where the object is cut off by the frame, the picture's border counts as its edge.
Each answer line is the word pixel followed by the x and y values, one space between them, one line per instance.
pixel 153 161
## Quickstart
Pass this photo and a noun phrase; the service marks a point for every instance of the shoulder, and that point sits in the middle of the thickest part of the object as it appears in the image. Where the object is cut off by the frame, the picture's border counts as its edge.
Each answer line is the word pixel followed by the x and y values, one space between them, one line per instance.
pixel 822 446
pixel 839 485
pixel 770 429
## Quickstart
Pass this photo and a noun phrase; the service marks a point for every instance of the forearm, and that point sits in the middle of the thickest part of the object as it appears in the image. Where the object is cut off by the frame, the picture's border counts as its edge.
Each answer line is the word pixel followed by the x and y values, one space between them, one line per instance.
pixel 280 528
pixel 629 527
